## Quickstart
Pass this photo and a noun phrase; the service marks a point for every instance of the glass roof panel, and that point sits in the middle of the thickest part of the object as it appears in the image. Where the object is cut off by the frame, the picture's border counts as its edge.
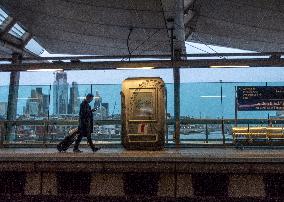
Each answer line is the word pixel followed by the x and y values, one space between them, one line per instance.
pixel 17 31
pixel 3 16
pixel 34 47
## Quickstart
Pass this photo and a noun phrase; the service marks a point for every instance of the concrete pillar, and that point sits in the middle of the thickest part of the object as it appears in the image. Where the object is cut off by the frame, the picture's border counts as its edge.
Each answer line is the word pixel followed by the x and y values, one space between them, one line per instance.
pixel 49 184
pixel 33 184
pixel 107 185
pixel 184 185
pixel 166 185
pixel 13 92
pixel 246 186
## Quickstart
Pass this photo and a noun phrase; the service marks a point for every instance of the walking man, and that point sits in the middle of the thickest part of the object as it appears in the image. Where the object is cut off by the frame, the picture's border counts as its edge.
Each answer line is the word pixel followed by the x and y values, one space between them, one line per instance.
pixel 85 124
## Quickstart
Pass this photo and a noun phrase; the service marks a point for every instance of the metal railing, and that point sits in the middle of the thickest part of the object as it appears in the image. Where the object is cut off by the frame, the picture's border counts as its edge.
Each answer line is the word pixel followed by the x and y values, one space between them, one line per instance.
pixel 199 131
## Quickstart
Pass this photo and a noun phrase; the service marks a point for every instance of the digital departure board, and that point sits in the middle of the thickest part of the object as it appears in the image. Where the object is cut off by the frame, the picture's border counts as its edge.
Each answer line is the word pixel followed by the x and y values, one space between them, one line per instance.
pixel 254 98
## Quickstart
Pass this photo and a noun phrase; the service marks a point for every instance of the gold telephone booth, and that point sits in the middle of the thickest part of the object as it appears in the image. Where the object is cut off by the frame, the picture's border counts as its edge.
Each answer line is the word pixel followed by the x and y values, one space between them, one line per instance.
pixel 143 113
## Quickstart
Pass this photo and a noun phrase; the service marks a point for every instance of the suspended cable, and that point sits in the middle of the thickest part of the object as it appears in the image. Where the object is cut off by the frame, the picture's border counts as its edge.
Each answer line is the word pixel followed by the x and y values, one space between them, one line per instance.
pixel 117 8
pixel 87 22
pixel 82 43
pixel 165 20
pixel 222 57
pixel 147 39
pixel 128 37
pixel 197 47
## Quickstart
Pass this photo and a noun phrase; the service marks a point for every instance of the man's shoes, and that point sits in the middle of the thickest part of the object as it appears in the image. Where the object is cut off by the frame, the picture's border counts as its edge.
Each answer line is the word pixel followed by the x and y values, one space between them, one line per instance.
pixel 95 149
pixel 77 150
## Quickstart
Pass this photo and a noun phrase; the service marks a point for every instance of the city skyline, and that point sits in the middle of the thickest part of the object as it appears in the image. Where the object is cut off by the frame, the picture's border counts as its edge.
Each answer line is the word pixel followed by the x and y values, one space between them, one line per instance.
pixel 193 98
pixel 38 103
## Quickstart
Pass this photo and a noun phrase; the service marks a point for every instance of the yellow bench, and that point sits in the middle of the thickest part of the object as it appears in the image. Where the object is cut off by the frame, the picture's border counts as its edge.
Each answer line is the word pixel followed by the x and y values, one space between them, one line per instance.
pixel 256 133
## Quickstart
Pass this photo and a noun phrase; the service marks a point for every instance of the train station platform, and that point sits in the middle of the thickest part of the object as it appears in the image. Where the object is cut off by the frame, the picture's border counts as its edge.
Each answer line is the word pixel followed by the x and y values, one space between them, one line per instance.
pixel 118 174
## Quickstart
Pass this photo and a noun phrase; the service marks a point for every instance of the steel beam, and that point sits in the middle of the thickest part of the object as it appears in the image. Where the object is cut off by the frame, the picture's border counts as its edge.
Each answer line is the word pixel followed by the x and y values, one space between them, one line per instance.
pixel 108 57
pixel 157 64
pixel 13 92
pixel 151 57
pixel 13 43
pixel 6 26
pixel 25 39
pixel 5 39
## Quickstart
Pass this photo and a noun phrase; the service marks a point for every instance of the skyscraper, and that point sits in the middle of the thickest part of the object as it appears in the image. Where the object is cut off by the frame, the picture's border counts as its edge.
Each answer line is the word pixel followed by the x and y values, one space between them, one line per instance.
pixel 33 108
pixel 97 100
pixel 35 100
pixel 3 109
pixel 39 100
pixel 60 93
pixel 42 105
pixel 45 105
pixel 105 106
pixel 73 107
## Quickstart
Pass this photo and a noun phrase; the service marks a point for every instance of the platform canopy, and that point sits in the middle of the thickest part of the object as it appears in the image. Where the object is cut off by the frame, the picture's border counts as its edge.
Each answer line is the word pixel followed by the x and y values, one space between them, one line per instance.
pixel 245 24
pixel 101 27
pixel 120 27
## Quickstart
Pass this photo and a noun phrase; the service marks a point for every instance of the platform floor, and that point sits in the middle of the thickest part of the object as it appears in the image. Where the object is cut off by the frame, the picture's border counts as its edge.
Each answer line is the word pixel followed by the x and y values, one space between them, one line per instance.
pixel 167 155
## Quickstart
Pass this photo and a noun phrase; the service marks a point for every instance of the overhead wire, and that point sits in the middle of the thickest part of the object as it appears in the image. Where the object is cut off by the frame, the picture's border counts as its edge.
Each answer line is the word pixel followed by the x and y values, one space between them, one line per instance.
pixel 197 37
pixel 166 27
pixel 254 6
pixel 222 57
pixel 115 8
pixel 79 42
pixel 86 21
pixel 146 40
pixel 127 43
pixel 242 24
pixel 90 35
pixel 157 29
pixel 142 43
pixel 197 47
pixel 255 25
pixel 165 20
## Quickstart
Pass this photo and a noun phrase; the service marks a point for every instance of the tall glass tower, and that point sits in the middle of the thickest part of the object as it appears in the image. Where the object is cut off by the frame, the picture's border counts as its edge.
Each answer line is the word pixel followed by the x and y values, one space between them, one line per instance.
pixel 73 107
pixel 60 93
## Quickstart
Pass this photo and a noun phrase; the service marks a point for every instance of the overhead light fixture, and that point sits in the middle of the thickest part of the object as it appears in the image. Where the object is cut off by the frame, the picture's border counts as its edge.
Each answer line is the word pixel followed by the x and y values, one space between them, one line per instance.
pixel 127 68
pixel 44 70
pixel 225 66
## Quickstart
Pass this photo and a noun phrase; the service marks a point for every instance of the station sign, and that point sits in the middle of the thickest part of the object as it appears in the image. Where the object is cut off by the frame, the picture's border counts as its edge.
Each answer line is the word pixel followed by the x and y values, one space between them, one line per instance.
pixel 260 98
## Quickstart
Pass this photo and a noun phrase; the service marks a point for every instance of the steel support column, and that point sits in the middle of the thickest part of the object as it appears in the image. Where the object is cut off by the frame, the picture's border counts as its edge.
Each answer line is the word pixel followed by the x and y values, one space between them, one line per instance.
pixel 176 73
pixel 179 50
pixel 13 92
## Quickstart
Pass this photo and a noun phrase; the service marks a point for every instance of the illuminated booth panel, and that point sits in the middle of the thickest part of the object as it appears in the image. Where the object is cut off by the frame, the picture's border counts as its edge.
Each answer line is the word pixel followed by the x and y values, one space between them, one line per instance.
pixel 143 113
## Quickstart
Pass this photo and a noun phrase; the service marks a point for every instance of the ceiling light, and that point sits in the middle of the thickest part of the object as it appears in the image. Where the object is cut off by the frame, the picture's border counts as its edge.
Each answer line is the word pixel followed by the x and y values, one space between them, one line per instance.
pixel 44 70
pixel 225 66
pixel 127 68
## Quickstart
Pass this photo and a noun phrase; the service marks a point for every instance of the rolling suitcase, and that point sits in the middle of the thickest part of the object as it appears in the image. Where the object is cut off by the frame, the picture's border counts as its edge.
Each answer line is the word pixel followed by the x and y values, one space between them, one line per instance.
pixel 68 140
